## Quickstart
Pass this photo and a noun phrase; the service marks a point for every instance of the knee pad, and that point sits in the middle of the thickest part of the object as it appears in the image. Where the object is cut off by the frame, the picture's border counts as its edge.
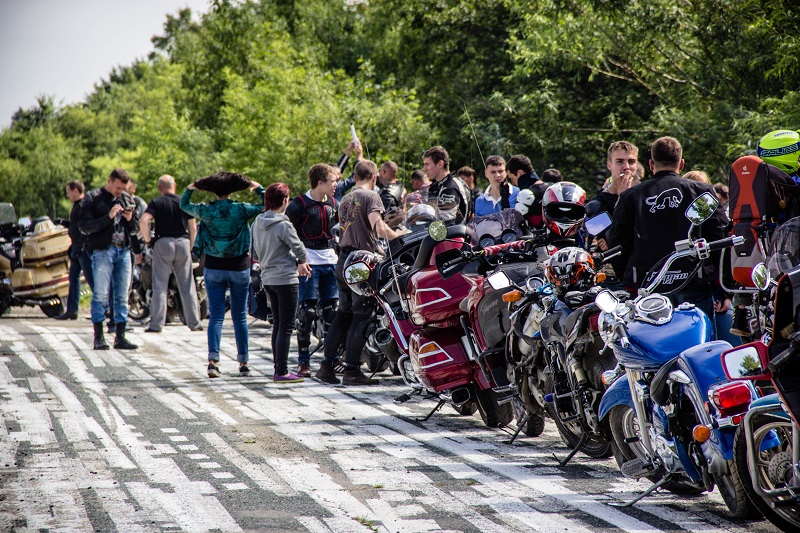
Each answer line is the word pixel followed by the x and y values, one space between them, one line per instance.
pixel 329 310
pixel 306 315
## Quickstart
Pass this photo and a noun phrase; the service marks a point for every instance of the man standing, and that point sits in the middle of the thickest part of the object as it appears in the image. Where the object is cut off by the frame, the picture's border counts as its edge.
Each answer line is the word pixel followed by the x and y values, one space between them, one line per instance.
pixel 419 180
pixel 467 175
pixel 520 172
pixel 79 259
pixel 390 191
pixel 175 232
pixel 647 229
pixel 361 221
pixel 314 215
pixel 623 162
pixel 451 194
pixel 107 218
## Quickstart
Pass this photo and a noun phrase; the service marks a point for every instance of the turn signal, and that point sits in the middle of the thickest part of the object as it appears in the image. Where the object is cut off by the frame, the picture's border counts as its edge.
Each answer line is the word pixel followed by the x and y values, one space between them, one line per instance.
pixel 512 296
pixel 600 277
pixel 701 433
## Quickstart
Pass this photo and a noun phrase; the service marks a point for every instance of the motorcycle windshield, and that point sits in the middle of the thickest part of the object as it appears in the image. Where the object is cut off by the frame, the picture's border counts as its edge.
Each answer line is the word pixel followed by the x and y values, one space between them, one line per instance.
pixel 417 213
pixel 7 214
pixel 496 228
pixel 783 253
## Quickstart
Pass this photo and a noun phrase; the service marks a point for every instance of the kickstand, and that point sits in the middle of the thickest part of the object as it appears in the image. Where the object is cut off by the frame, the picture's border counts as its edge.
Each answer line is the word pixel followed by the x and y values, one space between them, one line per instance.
pixel 520 426
pixel 568 458
pixel 650 489
pixel 438 406
pixel 382 360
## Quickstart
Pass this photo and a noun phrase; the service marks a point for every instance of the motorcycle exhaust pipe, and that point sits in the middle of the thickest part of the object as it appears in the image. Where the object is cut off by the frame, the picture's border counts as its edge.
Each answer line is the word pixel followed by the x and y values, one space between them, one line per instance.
pixel 457 397
pixel 387 345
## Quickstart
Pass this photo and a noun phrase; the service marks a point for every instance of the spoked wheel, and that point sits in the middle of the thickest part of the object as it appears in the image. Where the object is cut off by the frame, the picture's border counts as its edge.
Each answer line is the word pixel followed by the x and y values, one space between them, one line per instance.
pixel 773 467
pixel 137 308
pixel 628 446
pixel 596 446
pixel 53 308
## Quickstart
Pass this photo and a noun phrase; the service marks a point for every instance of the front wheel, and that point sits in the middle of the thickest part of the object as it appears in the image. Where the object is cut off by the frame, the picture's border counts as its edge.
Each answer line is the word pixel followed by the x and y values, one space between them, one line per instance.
pixel 53 308
pixel 596 446
pixel 137 307
pixel 627 434
pixel 773 467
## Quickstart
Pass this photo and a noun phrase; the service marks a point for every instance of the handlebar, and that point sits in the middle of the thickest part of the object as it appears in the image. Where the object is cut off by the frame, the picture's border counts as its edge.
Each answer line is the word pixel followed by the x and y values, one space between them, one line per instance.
pixel 497 248
pixel 725 243
pixel 608 254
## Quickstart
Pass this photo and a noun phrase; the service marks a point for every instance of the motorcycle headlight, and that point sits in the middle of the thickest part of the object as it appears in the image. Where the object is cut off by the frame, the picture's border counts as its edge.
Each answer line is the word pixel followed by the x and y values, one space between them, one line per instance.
pixel 605 325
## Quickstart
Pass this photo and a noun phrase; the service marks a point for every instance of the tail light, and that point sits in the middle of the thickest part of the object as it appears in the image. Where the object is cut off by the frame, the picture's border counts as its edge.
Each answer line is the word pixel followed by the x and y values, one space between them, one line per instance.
pixel 431 354
pixel 732 398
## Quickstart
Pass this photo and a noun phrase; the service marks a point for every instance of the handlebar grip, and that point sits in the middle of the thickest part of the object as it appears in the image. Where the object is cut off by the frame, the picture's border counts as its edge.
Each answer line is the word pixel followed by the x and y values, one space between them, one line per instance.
pixel 725 243
pixel 497 248
pixel 609 253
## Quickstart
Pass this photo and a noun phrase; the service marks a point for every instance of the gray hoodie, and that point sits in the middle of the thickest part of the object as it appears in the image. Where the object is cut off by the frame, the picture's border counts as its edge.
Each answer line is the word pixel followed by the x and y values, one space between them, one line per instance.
pixel 277 248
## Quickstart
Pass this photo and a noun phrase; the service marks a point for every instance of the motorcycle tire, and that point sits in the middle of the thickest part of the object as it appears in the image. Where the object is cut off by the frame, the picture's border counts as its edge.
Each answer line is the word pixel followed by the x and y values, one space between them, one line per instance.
pixel 5 303
pixel 623 426
pixel 466 409
pixel 596 446
pixel 137 308
pixel 785 518
pixel 734 495
pixel 534 426
pixel 203 309
pixel 54 308
pixel 493 414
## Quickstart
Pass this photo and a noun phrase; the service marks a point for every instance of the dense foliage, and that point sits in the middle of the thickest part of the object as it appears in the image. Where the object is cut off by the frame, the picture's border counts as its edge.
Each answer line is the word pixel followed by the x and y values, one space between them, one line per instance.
pixel 269 87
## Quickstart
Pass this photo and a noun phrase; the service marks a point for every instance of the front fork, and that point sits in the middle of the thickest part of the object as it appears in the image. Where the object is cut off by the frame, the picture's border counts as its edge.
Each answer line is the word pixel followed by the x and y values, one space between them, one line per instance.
pixel 639 393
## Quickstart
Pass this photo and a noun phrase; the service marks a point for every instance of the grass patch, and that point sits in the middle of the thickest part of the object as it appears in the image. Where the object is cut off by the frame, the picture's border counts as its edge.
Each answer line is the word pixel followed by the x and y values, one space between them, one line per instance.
pixel 365 522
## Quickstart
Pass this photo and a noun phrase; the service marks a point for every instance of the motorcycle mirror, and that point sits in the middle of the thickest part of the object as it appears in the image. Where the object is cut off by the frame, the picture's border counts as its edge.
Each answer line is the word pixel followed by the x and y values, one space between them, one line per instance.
pixel 597 223
pixel 499 280
pixel 356 273
pixel 761 276
pixel 745 362
pixel 437 230
pixel 606 301
pixel 24 222
pixel 702 208
pixel 450 262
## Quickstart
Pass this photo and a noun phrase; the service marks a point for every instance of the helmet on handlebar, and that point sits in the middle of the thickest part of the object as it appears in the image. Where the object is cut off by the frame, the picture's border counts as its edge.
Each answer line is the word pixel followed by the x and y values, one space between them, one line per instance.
pixel 563 208
pixel 571 269
pixel 782 149
pixel 358 271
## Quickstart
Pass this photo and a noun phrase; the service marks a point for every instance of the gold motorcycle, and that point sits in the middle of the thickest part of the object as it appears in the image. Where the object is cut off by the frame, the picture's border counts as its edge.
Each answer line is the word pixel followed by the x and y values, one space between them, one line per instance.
pixel 34 262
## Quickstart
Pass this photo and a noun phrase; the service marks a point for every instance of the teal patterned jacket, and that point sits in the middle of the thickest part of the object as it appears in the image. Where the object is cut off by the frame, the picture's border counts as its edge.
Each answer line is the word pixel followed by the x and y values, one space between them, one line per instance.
pixel 224 231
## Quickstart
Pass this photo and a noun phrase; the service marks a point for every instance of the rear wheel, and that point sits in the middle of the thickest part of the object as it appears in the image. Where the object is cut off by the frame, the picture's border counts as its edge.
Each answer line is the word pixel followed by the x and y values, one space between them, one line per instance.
pixel 492 413
pixel 466 409
pixel 733 493
pixel 596 446
pixel 53 308
pixel 137 307
pixel 773 467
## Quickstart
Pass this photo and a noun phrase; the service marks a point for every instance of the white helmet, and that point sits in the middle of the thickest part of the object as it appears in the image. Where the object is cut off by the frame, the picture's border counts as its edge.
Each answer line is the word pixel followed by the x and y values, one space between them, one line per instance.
pixel 525 200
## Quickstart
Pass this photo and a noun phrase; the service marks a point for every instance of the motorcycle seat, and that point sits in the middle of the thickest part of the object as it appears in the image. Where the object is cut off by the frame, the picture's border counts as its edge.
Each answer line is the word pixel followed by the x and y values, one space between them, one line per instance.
pixel 659 391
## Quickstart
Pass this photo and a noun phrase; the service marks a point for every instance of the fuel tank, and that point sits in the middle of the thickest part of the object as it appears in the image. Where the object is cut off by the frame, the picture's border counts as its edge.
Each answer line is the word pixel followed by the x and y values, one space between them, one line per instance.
pixel 439 358
pixel 653 345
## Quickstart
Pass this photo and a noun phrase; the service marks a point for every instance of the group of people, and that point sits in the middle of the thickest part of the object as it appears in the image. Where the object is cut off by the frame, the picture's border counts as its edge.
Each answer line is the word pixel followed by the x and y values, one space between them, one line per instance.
pixel 301 263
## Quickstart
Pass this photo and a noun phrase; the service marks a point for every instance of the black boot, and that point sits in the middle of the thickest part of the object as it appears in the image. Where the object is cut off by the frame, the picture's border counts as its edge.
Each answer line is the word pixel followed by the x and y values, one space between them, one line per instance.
pixel 120 342
pixel 99 341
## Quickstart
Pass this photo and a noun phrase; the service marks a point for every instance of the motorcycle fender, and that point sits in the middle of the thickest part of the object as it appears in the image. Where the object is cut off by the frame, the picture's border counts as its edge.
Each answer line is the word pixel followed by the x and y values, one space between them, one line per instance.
pixel 619 393
pixel 771 440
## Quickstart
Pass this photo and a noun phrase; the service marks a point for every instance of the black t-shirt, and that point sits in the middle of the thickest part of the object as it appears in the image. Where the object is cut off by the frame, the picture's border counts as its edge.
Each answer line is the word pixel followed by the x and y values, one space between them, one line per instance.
pixel 170 219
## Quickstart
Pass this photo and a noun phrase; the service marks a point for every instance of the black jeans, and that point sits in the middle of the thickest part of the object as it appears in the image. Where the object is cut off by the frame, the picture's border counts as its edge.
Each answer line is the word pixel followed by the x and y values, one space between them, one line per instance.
pixel 283 301
pixel 351 322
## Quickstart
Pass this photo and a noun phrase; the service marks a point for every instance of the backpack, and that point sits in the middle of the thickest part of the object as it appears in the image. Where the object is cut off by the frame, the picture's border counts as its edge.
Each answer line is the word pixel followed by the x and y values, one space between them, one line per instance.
pixel 761 197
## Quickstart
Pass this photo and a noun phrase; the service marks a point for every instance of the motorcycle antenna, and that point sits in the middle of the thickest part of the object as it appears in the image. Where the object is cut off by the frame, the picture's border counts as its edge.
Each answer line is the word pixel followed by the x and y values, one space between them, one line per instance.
pixel 474 136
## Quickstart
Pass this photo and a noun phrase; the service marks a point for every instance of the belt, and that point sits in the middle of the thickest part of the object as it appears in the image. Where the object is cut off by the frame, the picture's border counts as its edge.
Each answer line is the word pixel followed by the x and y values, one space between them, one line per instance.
pixel 115 245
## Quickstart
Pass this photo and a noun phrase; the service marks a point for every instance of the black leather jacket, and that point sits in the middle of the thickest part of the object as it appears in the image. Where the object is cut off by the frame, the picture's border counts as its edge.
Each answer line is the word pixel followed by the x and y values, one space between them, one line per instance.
pixel 98 227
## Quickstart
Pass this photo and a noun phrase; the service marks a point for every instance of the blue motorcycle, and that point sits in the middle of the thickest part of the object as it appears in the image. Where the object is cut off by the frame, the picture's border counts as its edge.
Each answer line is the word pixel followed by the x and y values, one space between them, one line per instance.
pixel 671 411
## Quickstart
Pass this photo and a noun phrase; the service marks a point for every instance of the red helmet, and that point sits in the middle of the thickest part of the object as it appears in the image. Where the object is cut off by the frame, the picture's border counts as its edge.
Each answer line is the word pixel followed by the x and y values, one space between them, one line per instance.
pixel 571 269
pixel 562 208
pixel 358 271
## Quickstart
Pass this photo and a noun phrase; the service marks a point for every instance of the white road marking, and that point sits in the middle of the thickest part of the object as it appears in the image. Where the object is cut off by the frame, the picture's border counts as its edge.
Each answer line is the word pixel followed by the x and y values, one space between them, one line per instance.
pixel 124 407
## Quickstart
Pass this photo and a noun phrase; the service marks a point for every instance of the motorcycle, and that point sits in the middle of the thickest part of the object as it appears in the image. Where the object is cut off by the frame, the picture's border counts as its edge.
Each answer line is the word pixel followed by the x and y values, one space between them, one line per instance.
pixel 141 292
pixel 34 262
pixel 767 442
pixel 668 404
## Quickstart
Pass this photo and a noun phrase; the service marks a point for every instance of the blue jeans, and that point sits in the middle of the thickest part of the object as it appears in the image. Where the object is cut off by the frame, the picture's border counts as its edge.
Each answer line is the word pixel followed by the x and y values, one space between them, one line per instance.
pixel 112 265
pixel 78 261
pixel 238 283
pixel 724 321
pixel 321 285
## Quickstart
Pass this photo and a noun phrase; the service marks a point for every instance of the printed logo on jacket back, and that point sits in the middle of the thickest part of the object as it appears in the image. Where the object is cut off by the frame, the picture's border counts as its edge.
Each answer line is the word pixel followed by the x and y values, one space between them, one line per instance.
pixel 671 198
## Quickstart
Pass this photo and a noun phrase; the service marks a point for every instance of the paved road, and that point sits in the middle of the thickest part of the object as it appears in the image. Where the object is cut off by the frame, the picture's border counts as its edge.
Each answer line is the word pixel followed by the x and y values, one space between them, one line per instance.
pixel 144 441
